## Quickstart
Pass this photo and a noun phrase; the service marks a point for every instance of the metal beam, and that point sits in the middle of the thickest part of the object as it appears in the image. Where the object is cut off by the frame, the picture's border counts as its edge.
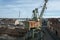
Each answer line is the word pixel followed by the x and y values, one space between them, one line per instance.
pixel 43 9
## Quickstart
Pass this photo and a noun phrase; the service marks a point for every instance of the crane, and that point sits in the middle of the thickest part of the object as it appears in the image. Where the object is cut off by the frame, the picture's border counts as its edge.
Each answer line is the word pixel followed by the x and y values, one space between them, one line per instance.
pixel 35 18
pixel 35 12
pixel 43 9
pixel 38 20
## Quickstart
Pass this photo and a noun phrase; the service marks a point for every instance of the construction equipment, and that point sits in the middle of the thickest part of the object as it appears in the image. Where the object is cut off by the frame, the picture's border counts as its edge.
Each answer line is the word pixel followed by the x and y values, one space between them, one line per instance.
pixel 37 19
pixel 43 9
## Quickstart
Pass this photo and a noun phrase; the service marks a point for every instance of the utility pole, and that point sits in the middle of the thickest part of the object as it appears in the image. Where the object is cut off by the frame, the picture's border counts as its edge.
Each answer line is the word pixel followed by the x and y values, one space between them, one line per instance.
pixel 19 14
pixel 19 17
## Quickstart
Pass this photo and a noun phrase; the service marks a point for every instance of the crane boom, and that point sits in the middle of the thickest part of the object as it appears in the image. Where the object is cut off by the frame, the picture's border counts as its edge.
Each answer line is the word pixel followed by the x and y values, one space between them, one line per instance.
pixel 43 9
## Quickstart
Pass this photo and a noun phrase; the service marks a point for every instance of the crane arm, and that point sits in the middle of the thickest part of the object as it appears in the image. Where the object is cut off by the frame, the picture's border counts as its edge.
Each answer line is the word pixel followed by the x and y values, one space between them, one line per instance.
pixel 43 9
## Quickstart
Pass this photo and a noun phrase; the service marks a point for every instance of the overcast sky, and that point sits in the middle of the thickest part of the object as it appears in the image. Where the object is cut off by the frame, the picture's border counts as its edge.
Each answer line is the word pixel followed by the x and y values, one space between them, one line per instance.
pixel 11 8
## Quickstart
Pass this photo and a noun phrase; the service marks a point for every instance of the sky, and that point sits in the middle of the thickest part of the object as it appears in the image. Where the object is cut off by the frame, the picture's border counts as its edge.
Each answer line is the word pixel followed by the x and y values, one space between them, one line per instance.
pixel 11 8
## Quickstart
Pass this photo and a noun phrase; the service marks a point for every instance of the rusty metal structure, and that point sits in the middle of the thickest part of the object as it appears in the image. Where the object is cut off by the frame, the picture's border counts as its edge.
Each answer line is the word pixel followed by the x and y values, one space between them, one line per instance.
pixel 39 18
pixel 35 22
pixel 54 26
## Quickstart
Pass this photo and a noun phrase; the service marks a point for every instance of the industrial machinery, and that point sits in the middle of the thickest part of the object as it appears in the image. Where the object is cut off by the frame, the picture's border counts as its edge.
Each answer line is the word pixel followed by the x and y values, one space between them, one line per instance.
pixel 36 21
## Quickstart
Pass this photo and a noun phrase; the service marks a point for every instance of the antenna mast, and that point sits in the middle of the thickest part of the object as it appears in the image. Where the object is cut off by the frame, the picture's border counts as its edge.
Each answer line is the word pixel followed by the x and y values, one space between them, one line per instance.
pixel 19 14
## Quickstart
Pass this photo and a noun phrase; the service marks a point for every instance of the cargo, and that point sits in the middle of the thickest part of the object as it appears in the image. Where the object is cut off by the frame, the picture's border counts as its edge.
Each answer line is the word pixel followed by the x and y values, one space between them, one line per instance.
pixel 54 26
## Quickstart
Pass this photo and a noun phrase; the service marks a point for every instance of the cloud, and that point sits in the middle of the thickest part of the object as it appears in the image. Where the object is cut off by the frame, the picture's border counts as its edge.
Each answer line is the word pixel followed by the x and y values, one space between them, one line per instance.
pixel 53 9
pixel 53 0
pixel 51 16
pixel 11 8
pixel 53 6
